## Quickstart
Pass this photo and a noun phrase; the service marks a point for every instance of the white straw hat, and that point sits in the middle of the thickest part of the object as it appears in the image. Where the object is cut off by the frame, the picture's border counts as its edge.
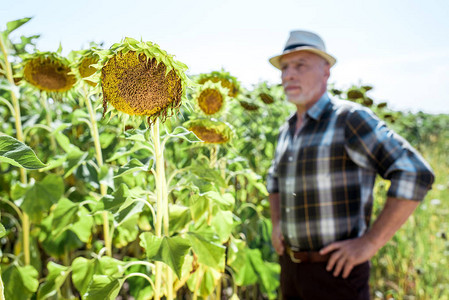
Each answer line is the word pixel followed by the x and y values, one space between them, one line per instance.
pixel 301 40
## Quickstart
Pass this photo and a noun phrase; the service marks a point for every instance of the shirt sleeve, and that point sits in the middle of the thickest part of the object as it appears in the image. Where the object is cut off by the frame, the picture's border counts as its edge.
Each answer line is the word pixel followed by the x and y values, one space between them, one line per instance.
pixel 273 174
pixel 371 145
pixel 272 178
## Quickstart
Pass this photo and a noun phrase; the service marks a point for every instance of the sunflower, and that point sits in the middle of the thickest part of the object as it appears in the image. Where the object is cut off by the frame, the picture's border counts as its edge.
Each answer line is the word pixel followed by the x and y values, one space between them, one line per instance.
pixel 140 80
pixel 210 131
pixel 249 106
pixel 84 66
pixel 211 98
pixel 266 98
pixel 48 72
pixel 226 80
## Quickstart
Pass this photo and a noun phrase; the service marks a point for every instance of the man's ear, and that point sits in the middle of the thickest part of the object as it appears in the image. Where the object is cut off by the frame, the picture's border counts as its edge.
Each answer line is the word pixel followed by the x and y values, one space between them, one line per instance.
pixel 327 70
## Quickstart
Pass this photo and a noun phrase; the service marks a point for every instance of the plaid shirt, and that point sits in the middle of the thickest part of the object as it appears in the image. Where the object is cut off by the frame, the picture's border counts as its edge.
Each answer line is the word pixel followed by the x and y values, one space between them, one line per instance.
pixel 325 173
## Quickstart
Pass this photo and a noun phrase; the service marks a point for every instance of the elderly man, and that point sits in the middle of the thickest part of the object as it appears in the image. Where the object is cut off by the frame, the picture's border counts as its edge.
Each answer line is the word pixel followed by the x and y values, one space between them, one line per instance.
pixel 322 177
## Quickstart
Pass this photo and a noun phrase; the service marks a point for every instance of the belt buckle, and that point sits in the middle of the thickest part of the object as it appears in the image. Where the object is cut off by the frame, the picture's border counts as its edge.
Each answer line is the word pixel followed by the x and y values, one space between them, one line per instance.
pixel 292 256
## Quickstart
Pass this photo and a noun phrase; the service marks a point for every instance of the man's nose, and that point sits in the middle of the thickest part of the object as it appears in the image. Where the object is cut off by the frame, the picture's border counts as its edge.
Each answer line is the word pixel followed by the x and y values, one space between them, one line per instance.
pixel 287 74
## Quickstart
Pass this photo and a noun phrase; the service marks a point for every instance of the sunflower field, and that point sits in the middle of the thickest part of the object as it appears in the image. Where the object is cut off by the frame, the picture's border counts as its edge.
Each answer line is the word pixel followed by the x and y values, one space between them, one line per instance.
pixel 124 177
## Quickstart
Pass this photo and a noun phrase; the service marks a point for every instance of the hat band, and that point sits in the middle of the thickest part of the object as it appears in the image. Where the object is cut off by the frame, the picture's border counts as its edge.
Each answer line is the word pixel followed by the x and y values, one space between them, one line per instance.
pixel 298 45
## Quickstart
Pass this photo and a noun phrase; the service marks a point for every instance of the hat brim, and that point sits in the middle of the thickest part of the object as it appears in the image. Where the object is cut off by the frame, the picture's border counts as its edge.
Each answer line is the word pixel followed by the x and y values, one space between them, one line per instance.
pixel 275 61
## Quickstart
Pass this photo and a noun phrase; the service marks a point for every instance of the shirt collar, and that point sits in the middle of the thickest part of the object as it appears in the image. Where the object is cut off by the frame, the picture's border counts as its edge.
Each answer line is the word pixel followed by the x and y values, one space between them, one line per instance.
pixel 316 111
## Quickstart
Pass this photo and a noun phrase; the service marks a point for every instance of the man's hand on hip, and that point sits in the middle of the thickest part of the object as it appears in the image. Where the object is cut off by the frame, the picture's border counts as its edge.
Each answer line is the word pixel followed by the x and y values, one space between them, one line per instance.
pixel 277 239
pixel 348 254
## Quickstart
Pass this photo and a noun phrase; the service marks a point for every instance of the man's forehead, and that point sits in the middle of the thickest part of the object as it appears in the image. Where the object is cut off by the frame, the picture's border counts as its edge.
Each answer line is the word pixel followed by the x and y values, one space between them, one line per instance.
pixel 298 56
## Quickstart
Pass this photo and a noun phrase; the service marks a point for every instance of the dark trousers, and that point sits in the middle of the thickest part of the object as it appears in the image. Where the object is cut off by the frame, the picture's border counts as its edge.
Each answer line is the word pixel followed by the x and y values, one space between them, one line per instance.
pixel 311 281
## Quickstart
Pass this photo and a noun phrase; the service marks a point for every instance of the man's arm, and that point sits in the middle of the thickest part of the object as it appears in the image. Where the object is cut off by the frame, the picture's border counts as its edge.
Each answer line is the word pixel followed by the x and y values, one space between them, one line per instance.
pixel 349 253
pixel 276 235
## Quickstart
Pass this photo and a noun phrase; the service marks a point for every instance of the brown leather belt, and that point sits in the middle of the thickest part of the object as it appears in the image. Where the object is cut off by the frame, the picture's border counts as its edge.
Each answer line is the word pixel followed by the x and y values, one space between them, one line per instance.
pixel 306 256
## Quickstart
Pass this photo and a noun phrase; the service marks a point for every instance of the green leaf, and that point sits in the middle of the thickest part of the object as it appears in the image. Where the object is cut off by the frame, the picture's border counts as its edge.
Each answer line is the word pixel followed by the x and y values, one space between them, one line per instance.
pixel 74 159
pixel 209 278
pixel 183 133
pixel 209 253
pixel 238 260
pixel 106 176
pixel 198 206
pixel 103 287
pixel 127 232
pixel 106 139
pixel 132 166
pixel 203 171
pixel 225 201
pixel 65 214
pixel 83 227
pixel 57 274
pixel 267 273
pixel 63 140
pixel 223 224
pixel 113 202
pixel 169 250
pixel 19 190
pixel 179 217
pixel 40 197
pixel 55 162
pixel 18 154
pixel 83 270
pixel 61 244
pixel 13 25
pixel 120 204
pixel 20 283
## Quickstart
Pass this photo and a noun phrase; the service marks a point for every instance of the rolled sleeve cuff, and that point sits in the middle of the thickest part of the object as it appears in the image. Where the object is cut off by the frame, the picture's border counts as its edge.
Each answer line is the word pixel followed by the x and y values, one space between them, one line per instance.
pixel 407 188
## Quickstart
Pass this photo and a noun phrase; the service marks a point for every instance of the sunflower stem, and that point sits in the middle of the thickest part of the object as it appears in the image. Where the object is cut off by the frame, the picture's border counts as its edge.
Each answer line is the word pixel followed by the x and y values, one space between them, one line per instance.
pixel 2 294
pixel 19 135
pixel 162 210
pixel 213 156
pixel 99 156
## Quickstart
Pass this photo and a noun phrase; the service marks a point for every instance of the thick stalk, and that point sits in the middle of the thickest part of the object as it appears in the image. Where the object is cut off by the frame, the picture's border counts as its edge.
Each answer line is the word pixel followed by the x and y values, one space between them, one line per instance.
pixel 99 156
pixel 166 220
pixel 160 178
pixel 162 218
pixel 213 156
pixel 19 135
pixel 2 294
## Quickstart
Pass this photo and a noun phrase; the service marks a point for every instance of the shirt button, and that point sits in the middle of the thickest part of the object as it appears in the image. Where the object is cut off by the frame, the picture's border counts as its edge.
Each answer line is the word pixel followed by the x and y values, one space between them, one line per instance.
pixel 290 236
pixel 287 210
pixel 290 158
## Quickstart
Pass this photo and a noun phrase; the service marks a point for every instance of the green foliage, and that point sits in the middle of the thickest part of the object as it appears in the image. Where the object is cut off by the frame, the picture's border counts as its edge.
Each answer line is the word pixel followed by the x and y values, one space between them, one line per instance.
pixel 218 227
pixel 169 250
pixel 42 195
pixel 18 154
pixel 57 274
pixel 20 282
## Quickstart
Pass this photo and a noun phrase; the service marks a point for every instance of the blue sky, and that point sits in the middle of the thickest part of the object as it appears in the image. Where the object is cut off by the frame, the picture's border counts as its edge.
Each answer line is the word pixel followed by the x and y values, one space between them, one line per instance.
pixel 400 47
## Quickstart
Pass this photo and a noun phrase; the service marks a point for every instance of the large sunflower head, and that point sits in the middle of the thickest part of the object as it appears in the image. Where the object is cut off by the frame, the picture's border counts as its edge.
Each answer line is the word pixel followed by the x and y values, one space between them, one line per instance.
pixel 210 131
pixel 211 98
pixel 224 78
pixel 48 71
pixel 84 65
pixel 140 80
